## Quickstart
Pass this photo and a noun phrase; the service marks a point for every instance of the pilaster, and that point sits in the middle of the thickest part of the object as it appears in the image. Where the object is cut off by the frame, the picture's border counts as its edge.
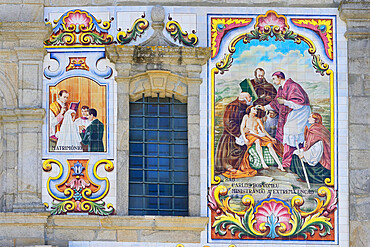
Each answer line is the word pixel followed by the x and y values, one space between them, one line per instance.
pixel 21 58
pixel 21 155
pixel 356 14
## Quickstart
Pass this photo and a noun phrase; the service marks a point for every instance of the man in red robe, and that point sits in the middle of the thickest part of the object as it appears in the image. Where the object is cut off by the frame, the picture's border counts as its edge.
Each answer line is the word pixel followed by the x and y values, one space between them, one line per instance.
pixel 315 154
pixel 293 106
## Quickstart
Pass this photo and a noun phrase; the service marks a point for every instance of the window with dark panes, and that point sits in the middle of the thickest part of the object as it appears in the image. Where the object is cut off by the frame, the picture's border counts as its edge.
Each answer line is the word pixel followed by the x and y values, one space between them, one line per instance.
pixel 158 179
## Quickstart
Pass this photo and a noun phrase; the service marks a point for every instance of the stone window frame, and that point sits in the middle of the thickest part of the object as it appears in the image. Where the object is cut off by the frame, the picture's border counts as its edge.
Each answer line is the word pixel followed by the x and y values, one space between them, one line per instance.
pixel 179 173
pixel 164 83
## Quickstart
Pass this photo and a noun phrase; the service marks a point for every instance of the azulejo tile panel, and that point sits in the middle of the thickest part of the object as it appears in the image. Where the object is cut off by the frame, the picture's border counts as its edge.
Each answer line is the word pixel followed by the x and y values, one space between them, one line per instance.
pixel 275 151
pixel 273 134
pixel 80 100
pixel 78 188
pixel 79 155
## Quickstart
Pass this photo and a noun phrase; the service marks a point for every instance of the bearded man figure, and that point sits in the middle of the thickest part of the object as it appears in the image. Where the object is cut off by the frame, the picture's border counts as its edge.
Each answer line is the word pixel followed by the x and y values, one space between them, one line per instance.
pixel 229 152
pixel 265 91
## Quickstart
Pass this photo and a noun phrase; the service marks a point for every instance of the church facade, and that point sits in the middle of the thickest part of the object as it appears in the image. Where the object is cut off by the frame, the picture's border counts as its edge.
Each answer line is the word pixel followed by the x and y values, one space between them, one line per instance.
pixel 184 124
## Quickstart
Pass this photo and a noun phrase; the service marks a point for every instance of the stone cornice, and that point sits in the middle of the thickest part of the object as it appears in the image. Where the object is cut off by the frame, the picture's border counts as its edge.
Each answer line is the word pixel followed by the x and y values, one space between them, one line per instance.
pixel 158 55
pixel 357 17
pixel 22 114
pixel 354 10
pixel 25 31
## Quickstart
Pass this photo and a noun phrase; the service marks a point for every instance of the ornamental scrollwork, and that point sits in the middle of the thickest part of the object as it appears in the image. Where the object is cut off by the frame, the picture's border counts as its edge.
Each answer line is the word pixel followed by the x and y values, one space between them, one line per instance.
pixel 271 217
pixel 79 27
pixel 220 27
pixel 176 32
pixel 323 28
pixel 78 187
pixel 137 29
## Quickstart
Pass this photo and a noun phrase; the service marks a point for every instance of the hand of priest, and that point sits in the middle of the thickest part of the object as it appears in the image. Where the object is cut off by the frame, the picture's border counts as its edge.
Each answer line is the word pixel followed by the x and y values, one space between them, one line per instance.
pixel 281 101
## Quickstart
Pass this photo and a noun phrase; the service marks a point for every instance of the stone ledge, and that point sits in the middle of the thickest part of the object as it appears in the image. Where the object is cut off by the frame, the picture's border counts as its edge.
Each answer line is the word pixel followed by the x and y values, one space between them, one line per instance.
pixel 23 219
pixel 64 228
pixel 172 223
pixel 28 207
pixel 29 228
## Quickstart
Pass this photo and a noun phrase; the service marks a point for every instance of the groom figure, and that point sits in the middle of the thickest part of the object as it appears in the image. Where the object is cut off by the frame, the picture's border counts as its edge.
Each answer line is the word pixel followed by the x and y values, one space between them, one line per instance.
pixel 93 134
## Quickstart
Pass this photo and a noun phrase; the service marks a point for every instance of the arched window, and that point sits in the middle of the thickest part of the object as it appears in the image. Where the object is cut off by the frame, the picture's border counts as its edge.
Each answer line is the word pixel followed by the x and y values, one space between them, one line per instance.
pixel 158 172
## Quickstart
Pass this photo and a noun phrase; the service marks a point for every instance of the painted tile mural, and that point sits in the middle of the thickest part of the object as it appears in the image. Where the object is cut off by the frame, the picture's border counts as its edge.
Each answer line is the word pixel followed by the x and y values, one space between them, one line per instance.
pixel 78 165
pixel 80 102
pixel 71 101
pixel 271 95
pixel 272 146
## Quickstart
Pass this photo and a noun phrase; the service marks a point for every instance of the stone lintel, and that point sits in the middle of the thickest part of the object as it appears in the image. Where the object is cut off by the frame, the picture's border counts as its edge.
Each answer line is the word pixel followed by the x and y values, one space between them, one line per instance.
pixel 154 82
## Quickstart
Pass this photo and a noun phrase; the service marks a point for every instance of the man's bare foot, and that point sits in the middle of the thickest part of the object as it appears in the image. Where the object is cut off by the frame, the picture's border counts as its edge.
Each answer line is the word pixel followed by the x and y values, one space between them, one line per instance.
pixel 300 180
pixel 281 169
pixel 264 166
